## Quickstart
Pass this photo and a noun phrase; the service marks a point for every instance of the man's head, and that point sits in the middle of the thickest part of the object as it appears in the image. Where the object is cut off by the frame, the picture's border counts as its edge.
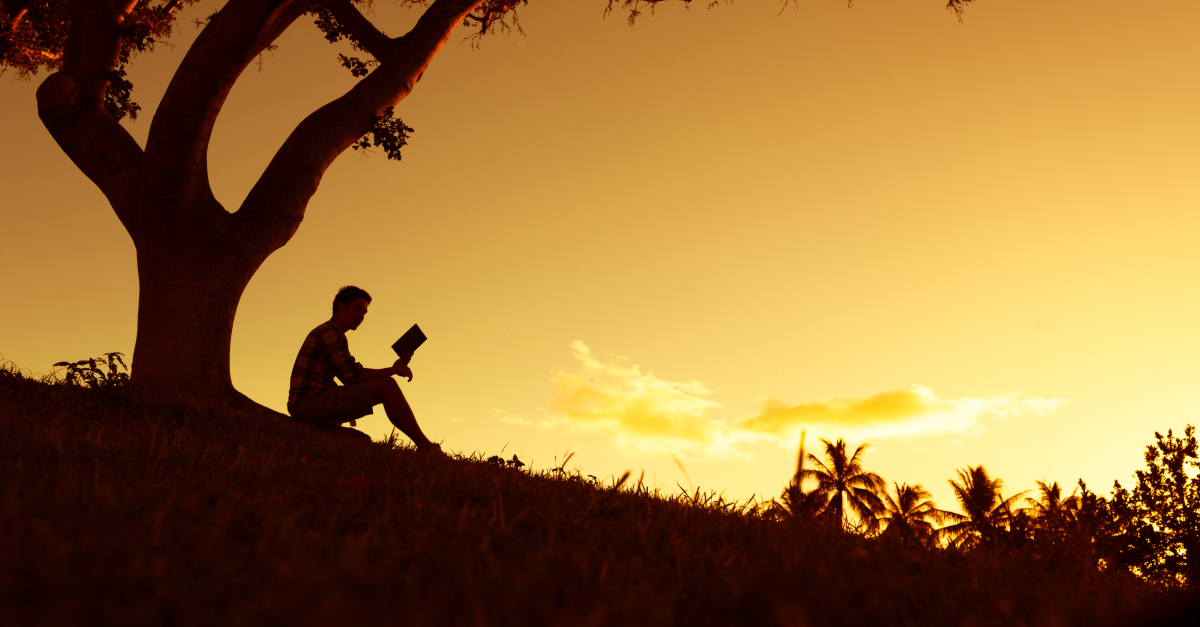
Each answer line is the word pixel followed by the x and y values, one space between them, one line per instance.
pixel 350 306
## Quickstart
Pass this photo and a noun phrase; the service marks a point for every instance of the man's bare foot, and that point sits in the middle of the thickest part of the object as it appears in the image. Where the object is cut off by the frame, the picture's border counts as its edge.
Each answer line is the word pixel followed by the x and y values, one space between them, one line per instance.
pixel 430 447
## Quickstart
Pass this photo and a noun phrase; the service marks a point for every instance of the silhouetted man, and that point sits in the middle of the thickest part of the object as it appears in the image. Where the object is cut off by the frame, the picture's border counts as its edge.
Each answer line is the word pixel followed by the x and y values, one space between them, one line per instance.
pixel 315 398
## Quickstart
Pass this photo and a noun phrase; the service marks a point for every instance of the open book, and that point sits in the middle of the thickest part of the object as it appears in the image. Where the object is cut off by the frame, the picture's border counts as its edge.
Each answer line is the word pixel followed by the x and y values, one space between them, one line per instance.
pixel 409 342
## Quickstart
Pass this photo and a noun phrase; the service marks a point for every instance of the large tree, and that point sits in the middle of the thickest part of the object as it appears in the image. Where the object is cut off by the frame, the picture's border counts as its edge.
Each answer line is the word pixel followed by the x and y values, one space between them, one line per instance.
pixel 194 256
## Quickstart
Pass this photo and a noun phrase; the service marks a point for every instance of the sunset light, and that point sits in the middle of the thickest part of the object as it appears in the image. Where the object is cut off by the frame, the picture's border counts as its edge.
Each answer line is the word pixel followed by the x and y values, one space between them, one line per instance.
pixel 663 238
pixel 834 204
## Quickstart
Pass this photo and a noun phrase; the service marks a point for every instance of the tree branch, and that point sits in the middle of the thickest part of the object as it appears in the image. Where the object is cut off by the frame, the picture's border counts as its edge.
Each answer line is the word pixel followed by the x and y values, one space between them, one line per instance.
pixel 18 12
pixel 71 105
pixel 123 7
pixel 362 31
pixel 275 206
pixel 434 27
pixel 177 146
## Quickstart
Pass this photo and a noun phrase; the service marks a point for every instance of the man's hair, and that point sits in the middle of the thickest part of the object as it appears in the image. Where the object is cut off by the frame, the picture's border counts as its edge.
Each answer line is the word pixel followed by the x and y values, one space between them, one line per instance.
pixel 347 294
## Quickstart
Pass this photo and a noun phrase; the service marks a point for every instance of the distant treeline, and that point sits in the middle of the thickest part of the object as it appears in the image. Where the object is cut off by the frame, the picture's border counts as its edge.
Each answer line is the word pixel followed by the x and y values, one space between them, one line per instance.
pixel 1148 531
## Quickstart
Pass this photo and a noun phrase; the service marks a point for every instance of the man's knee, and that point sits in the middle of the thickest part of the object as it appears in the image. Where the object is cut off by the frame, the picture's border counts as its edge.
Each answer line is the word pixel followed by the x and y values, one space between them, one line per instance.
pixel 385 386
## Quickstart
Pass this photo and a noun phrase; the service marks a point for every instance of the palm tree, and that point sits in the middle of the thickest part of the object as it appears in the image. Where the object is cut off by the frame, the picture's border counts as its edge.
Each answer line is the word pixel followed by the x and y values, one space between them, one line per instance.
pixel 1050 508
pixel 800 505
pixel 1054 519
pixel 797 504
pixel 843 483
pixel 986 515
pixel 911 514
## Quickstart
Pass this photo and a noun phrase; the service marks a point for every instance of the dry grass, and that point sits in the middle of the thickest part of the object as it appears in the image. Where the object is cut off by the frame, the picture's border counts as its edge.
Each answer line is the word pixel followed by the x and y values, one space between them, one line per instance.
pixel 112 512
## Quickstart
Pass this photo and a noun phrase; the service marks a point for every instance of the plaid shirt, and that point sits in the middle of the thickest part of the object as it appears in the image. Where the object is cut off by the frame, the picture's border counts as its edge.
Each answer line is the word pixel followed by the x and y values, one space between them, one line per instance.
pixel 324 355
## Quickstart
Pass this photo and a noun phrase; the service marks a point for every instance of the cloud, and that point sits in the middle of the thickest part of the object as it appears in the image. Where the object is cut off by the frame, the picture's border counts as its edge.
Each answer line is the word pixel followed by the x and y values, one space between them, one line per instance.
pixel 646 414
pixel 511 419
pixel 895 413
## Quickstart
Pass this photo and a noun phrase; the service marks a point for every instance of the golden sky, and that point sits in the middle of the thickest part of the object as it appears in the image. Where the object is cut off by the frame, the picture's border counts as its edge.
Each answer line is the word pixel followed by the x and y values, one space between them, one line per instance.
pixel 963 243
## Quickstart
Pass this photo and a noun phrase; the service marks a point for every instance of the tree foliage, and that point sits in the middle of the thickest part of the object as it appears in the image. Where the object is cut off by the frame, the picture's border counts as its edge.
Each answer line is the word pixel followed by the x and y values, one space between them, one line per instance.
pixel 34 38
pixel 1156 525
pixel 389 133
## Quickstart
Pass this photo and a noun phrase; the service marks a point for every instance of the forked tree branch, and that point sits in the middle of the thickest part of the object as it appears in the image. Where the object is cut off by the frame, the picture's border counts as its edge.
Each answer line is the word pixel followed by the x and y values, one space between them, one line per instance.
pixel 71 105
pixel 275 206
pixel 177 147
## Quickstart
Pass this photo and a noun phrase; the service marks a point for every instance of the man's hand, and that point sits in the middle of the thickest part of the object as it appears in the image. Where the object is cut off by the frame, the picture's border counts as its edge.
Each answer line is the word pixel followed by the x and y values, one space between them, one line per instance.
pixel 401 366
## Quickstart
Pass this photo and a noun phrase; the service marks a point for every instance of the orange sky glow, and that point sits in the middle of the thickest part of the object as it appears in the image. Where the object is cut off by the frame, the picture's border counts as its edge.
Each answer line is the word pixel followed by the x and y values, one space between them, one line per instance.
pixel 962 243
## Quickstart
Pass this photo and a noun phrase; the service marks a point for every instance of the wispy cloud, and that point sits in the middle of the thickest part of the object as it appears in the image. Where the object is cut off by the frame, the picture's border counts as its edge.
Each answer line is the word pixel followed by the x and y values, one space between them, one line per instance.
pixel 511 419
pixel 646 414
pixel 895 413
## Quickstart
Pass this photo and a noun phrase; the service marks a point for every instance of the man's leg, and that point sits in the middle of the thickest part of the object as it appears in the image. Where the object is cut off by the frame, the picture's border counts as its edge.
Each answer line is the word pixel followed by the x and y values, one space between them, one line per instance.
pixel 398 411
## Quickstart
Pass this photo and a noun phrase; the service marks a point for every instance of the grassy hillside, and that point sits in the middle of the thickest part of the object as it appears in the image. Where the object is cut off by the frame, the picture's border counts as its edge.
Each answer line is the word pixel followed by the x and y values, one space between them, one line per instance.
pixel 112 512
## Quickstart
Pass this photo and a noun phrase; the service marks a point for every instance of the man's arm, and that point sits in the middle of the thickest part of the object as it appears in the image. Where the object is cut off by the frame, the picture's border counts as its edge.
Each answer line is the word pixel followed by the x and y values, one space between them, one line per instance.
pixel 399 368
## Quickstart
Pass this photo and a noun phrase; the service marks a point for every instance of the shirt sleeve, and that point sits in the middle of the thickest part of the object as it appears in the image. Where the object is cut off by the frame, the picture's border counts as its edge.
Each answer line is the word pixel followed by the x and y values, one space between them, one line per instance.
pixel 344 365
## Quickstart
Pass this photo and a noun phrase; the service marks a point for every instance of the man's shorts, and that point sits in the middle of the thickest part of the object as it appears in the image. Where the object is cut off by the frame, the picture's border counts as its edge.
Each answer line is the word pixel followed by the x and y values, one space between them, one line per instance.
pixel 336 405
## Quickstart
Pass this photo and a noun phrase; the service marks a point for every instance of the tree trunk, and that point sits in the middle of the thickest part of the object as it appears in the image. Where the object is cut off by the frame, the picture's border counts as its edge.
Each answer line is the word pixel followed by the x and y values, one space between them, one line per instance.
pixel 186 310
pixel 193 266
